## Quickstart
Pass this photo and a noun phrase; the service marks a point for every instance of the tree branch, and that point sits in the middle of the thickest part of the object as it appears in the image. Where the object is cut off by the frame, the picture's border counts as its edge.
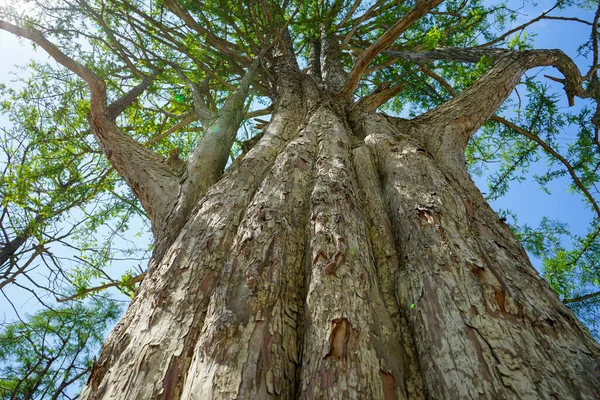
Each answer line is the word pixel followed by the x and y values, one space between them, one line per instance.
pixel 582 298
pixel 555 154
pixel 96 84
pixel 470 55
pixel 187 119
pixel 152 180
pixel 132 281
pixel 520 27
pixel 365 58
pixel 119 105
pixel 382 94
pixel 222 45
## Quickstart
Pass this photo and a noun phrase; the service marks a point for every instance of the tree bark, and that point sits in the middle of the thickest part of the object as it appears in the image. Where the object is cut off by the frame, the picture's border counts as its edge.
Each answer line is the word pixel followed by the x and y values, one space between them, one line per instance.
pixel 341 259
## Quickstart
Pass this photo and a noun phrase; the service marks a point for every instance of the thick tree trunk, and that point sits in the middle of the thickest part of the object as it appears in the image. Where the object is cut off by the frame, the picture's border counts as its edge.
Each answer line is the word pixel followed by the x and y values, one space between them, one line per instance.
pixel 342 258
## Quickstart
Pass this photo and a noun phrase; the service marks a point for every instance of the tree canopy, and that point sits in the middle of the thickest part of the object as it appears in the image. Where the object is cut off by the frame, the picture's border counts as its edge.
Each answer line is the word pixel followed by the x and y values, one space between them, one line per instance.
pixel 165 73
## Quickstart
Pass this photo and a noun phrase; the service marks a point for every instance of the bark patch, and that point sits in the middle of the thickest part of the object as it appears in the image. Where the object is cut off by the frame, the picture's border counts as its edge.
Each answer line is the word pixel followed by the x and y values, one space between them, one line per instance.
pixel 389 386
pixel 171 380
pixel 340 336
pixel 425 216
pixel 500 297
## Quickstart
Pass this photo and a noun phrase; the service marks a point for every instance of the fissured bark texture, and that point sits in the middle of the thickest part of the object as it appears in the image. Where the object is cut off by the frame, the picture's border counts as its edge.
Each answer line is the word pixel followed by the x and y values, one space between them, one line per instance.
pixel 342 258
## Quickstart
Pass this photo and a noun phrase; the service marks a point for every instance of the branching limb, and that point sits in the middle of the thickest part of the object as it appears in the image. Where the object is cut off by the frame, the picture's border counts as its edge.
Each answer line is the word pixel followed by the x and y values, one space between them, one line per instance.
pixel 481 100
pixel 205 164
pixel 119 105
pixel 365 58
pixel 582 298
pixel 382 94
pixel 152 180
pixel 96 85
pixel 521 27
pixel 228 49
pixel 201 111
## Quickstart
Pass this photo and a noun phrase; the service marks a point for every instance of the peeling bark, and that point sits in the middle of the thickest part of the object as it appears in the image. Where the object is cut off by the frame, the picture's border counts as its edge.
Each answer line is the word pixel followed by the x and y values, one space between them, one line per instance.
pixel 489 326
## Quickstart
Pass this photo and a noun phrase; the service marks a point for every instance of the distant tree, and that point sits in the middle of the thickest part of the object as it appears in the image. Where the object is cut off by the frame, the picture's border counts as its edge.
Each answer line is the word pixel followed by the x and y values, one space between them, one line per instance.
pixel 307 244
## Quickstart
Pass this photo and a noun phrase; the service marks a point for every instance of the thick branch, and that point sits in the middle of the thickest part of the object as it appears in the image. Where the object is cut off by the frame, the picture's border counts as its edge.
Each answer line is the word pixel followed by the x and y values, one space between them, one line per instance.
pixel 482 99
pixel 208 159
pixel 96 84
pixel 206 163
pixel 446 130
pixel 201 111
pixel 9 249
pixel 371 102
pixel 314 59
pixel 365 58
pixel 470 55
pixel 332 72
pixel 119 105
pixel 151 179
pixel 523 60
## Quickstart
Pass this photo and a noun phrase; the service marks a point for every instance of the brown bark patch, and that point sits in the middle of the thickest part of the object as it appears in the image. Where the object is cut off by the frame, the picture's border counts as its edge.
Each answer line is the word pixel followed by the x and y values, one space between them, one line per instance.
pixel 389 385
pixel 171 380
pixel 319 257
pixel 302 163
pixel 469 208
pixel 207 281
pixel 340 336
pixel 332 266
pixel 475 269
pixel 425 216
pixel 473 337
pixel 500 297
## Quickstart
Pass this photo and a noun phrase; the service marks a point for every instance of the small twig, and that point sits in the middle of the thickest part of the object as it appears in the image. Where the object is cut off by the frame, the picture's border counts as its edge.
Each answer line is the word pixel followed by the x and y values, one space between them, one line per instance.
pixel 131 281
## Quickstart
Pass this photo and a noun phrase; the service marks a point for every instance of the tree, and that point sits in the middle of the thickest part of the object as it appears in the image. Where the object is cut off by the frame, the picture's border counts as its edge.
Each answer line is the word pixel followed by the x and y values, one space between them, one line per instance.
pixel 335 250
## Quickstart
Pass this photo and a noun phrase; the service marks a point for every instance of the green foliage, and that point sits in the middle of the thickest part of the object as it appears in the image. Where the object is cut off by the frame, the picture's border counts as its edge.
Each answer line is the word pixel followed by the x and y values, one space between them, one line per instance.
pixel 52 350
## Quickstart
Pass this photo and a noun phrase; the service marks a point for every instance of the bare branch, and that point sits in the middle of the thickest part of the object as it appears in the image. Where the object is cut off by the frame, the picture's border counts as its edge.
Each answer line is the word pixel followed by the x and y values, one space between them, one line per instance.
pixel 228 49
pixel 521 27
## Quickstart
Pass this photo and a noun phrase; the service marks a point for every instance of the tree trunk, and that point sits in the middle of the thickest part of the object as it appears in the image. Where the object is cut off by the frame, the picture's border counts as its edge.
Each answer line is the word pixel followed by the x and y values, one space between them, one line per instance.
pixel 344 258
